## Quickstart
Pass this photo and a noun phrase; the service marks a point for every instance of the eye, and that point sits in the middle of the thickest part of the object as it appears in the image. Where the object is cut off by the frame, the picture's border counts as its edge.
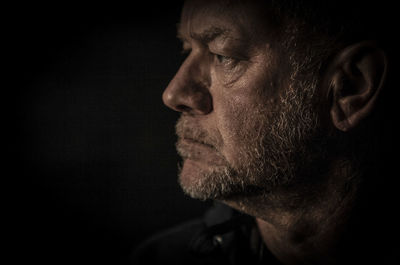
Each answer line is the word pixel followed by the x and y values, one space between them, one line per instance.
pixel 224 60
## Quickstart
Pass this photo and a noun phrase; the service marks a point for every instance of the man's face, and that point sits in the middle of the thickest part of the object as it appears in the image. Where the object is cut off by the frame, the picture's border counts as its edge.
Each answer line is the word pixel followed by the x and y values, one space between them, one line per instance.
pixel 246 123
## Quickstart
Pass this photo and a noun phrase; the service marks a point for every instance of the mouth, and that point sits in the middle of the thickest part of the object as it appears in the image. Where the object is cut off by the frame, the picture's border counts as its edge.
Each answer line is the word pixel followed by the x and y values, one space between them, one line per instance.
pixel 198 151
pixel 189 140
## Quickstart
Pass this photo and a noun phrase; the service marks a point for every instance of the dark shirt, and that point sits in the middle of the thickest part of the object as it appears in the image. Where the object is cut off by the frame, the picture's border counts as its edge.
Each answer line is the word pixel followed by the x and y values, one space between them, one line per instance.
pixel 222 236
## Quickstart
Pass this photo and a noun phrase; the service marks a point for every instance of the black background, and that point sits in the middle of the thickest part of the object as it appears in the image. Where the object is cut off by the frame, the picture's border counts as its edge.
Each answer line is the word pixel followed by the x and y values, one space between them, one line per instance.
pixel 95 164
pixel 90 167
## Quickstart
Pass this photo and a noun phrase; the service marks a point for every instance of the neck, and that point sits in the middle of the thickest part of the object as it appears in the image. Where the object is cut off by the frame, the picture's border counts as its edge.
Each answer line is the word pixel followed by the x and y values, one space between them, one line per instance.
pixel 306 225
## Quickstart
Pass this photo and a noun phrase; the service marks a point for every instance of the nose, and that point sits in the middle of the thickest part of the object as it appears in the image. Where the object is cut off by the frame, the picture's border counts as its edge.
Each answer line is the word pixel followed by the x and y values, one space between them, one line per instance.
pixel 188 91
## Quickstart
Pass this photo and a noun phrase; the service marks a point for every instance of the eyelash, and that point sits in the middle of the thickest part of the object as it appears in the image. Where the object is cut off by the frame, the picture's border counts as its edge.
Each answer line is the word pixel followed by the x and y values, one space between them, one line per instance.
pixel 223 60
pixel 219 59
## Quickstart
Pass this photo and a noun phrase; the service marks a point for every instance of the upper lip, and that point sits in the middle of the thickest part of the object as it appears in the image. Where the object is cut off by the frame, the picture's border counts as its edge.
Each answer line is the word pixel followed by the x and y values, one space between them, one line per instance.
pixel 197 141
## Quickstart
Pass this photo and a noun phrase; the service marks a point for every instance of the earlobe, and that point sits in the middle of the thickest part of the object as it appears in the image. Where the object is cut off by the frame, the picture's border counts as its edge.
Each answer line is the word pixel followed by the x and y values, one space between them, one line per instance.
pixel 358 75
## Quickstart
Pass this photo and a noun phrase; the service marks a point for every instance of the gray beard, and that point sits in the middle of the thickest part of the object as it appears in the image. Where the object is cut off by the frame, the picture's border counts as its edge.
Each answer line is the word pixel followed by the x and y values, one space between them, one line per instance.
pixel 280 152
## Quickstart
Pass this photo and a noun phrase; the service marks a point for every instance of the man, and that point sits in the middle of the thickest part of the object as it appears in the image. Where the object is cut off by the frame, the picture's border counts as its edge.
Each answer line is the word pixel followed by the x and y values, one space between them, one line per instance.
pixel 285 119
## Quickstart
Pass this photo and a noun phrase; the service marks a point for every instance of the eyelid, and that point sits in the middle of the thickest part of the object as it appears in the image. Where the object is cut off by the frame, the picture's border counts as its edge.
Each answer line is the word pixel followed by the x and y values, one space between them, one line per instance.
pixel 229 62
pixel 222 54
pixel 231 53
pixel 217 56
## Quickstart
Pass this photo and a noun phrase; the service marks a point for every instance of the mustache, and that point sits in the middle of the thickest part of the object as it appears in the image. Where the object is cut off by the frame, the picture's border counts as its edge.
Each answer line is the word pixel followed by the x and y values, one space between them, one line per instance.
pixel 187 128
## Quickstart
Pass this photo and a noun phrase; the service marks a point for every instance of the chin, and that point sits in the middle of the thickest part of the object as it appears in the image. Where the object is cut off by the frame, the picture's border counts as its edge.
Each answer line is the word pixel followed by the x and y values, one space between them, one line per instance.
pixel 196 180
pixel 202 181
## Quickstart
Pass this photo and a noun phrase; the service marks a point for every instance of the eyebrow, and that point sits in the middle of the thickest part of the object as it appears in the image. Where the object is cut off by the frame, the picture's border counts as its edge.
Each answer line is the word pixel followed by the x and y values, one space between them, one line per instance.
pixel 205 36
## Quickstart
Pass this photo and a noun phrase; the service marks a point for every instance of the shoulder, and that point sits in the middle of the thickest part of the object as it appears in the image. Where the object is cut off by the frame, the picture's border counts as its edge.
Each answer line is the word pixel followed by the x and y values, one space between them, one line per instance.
pixel 168 247
pixel 187 243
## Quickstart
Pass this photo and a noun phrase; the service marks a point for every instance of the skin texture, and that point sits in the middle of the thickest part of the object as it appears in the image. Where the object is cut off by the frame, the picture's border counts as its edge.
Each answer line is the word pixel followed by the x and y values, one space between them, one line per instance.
pixel 264 133
pixel 230 92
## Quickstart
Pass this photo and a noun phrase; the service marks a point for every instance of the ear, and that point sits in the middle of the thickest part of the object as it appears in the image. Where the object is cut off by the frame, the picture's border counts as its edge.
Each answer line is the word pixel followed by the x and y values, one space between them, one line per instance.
pixel 356 79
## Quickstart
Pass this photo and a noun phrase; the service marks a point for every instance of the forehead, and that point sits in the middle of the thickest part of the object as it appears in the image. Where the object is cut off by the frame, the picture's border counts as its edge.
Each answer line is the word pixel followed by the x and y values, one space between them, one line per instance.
pixel 242 19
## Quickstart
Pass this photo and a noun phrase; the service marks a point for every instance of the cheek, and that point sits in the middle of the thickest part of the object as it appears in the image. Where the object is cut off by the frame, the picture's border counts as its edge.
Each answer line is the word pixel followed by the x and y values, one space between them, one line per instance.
pixel 239 124
pixel 230 127
pixel 241 112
